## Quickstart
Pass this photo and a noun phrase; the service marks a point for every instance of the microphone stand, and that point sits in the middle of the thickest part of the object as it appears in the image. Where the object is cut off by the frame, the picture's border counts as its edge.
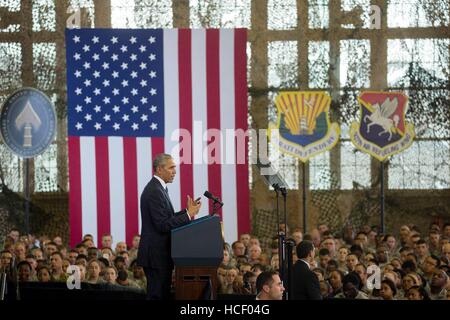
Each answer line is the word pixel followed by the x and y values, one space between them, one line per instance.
pixel 3 284
pixel 216 206
pixel 281 234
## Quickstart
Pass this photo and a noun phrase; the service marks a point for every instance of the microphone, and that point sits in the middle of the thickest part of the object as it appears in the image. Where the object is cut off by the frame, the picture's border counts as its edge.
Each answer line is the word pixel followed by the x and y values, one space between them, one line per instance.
pixel 210 196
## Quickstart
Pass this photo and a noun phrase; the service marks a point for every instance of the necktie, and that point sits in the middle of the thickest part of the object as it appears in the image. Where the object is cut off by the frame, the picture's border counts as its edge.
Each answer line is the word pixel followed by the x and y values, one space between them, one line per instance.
pixel 167 190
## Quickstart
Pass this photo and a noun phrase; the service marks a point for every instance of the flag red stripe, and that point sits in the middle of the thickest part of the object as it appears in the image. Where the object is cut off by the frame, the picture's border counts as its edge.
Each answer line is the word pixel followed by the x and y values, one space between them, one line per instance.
pixel 75 191
pixel 240 89
pixel 213 109
pixel 185 95
pixel 131 188
pixel 157 147
pixel 102 177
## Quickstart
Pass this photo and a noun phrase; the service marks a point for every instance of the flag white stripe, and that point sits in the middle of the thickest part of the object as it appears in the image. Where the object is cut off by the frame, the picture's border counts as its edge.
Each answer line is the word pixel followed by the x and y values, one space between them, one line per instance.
pixel 199 115
pixel 117 189
pixel 171 108
pixel 227 121
pixel 89 186
pixel 144 168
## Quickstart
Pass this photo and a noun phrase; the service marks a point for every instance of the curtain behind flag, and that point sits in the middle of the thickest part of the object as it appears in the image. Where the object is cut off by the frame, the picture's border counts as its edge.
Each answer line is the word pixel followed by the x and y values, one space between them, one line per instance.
pixel 129 91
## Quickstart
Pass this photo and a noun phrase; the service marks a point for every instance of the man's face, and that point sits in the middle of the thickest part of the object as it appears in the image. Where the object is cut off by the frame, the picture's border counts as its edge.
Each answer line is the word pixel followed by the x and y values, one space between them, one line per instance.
pixel 276 289
pixel 446 250
pixel 362 273
pixel 428 265
pixel 56 262
pixel 361 240
pixel 254 252
pixel 15 235
pixel 106 242
pixel 434 239
pixel 24 273
pixel 19 250
pixel 50 249
pixel 58 241
pixel 447 231
pixel 254 242
pixel 330 245
pixel 352 261
pixel 422 249
pixel 38 254
pixel 167 171
pixel 92 254
pixel 324 260
pixel 350 291
pixel 121 246
pixel 73 257
pixel 136 241
pixel 297 236
pixel 239 249
pixel 322 228
pixel 6 259
pixel 439 279
pixel 381 254
pixel 32 263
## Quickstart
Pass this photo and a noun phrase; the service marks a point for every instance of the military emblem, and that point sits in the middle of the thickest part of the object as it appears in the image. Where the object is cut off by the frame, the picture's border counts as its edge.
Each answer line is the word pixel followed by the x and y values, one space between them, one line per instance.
pixel 382 130
pixel 303 126
pixel 28 122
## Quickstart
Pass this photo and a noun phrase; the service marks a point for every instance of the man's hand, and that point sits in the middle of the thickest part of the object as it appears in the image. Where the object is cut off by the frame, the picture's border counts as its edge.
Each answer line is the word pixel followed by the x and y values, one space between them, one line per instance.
pixel 193 207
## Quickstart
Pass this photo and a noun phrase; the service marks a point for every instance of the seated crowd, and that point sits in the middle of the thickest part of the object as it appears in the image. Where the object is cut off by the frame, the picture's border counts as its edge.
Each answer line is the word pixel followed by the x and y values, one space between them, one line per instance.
pixel 409 265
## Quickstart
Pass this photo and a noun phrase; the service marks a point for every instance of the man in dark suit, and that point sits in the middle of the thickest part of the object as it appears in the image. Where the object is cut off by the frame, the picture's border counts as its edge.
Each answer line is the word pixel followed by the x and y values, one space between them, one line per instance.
pixel 306 284
pixel 158 219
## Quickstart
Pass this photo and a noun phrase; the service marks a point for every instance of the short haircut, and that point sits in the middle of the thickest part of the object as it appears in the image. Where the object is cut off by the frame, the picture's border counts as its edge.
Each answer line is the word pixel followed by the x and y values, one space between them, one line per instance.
pixel 356 247
pixel 304 248
pixel 354 278
pixel 405 248
pixel 334 263
pixel 57 253
pixel 119 259
pixel 23 263
pixel 160 160
pixel 438 261
pixel 264 278
pixel 324 252
pixel 421 241
pixel 122 275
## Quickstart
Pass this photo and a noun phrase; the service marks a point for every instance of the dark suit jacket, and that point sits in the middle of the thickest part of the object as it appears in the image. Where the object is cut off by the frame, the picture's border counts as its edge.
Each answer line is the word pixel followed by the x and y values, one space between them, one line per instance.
pixel 158 219
pixel 306 284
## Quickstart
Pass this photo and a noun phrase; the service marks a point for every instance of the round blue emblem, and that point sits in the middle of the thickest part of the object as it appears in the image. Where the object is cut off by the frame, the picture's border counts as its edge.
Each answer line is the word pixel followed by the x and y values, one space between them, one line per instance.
pixel 27 122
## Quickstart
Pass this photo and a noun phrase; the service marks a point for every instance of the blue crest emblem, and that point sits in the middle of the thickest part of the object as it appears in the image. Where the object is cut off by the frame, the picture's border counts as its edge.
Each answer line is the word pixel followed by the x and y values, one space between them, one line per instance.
pixel 27 122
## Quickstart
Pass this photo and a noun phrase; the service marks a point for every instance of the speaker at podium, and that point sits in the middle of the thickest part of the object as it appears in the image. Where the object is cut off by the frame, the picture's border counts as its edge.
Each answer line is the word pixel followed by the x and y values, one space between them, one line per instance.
pixel 197 251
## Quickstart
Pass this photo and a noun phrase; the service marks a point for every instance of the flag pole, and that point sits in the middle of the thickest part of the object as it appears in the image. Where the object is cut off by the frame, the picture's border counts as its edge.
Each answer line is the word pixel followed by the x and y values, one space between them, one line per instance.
pixel 27 196
pixel 304 197
pixel 382 196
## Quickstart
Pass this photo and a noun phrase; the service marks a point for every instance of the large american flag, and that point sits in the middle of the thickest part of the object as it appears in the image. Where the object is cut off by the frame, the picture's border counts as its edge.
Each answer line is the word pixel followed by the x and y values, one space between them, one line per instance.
pixel 129 91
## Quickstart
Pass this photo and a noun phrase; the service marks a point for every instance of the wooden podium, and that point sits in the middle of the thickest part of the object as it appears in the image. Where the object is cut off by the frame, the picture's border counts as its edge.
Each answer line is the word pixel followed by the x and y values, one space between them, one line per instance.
pixel 197 251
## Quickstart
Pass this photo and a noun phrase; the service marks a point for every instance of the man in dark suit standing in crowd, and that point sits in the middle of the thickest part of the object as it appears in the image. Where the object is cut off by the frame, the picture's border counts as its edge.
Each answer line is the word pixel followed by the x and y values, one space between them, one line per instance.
pixel 158 219
pixel 306 284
